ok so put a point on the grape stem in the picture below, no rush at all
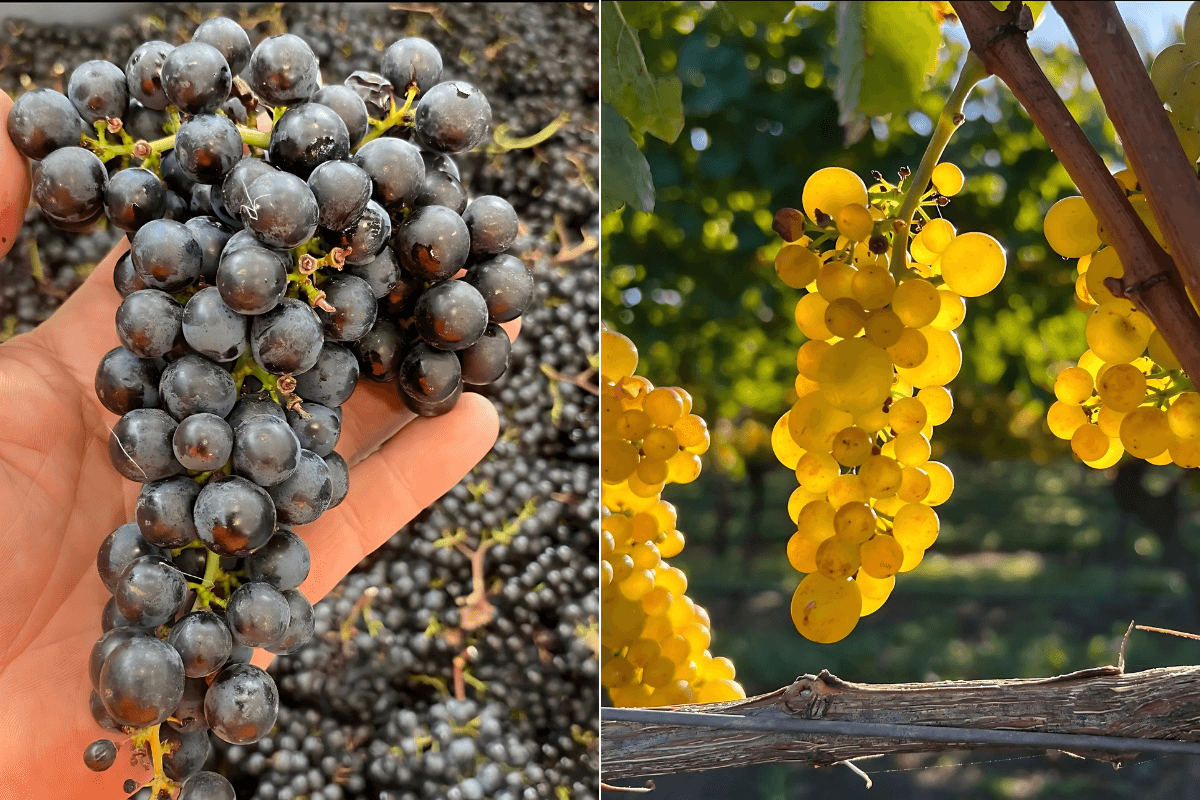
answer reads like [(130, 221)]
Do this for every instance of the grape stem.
[(973, 72), (247, 366), (205, 597), (160, 785), (149, 151), (400, 115)]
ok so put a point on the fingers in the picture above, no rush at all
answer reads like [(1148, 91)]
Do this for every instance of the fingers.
[(411, 470), (14, 183)]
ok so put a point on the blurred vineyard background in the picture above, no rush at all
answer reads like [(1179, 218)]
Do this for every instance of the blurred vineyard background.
[(1041, 563)]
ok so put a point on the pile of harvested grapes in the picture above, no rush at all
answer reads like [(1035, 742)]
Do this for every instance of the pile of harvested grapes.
[(459, 659)]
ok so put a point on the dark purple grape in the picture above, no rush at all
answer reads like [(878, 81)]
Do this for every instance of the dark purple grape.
[(196, 79), (265, 450), (175, 208), (105, 645), (143, 74), (144, 123), (442, 189), (140, 445), (195, 385), (453, 117), (354, 308), (257, 614), (241, 705), (381, 273), (342, 191), (149, 323), (175, 177), (241, 654), (332, 379), (284, 71), (486, 360), (214, 329), (412, 62), (190, 711), (141, 682), (300, 627), (203, 442), (375, 91), (236, 186), (100, 755), (42, 121), (379, 352), (305, 136), (440, 161), (150, 591), (251, 280), (433, 243), (506, 285), (119, 549), (319, 430), (430, 380), (283, 562), (287, 339), (396, 169), (339, 475), (281, 210), (367, 238), (451, 315), (211, 235), (235, 109), (402, 299), (203, 641), (207, 146), (133, 198), (229, 38), (68, 185), (346, 103), (207, 786), (125, 277), (191, 561), (234, 516), (166, 255), (184, 753), (249, 406), (305, 495), (216, 199), (125, 382), (98, 91), (101, 715), (492, 224), (165, 507)]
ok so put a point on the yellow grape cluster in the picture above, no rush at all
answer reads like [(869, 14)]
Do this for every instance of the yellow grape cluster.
[(653, 638), (871, 388), (1127, 393)]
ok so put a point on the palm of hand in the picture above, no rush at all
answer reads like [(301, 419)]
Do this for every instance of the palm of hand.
[(60, 496)]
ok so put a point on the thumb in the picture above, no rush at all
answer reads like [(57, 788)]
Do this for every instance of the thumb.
[(15, 182)]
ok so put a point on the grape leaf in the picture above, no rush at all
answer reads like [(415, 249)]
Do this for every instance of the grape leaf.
[(640, 14), (899, 44), (849, 58), (624, 172), (760, 13), (650, 104)]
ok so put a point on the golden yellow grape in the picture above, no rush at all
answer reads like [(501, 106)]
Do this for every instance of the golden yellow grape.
[(663, 407), (1089, 442), (719, 691), (883, 328), (1070, 228), (634, 424), (1064, 419), (660, 444), (618, 460), (854, 375), (618, 356), (947, 179), (1110, 457), (912, 449), (916, 302), (1145, 432), (796, 265), (1184, 416), (785, 448), (880, 476), (1073, 385), (683, 467), (851, 447), (830, 189), (914, 485), (1117, 332), (941, 483), (873, 287), (940, 366), (808, 357), (938, 402), (844, 317), (810, 316), (916, 524), (836, 280), (813, 422), (691, 431), (1109, 421), (875, 592), (1105, 264), (837, 557), (671, 544), (816, 517), (653, 471), (802, 550), (910, 351), (881, 556), (937, 234), (846, 488), (825, 610), (907, 415), (953, 310), (973, 264), (855, 222), (798, 499), (1185, 453), (1121, 387), (855, 522), (816, 471)]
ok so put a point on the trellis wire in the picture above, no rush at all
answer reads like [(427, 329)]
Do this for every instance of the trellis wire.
[(1071, 742)]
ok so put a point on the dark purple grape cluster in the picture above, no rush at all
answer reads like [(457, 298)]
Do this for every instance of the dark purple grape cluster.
[(284, 238)]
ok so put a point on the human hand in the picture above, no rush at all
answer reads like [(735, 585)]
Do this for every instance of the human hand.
[(60, 497)]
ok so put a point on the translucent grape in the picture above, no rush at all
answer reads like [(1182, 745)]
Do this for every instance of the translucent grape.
[(854, 522), (916, 524), (663, 407), (937, 235), (1122, 387), (846, 488), (813, 422), (914, 485), (785, 448), (1184, 416), (830, 189), (912, 449), (816, 471), (796, 265), (881, 556), (808, 357), (1167, 68), (883, 328), (880, 476), (907, 415), (618, 356), (873, 287), (1070, 228), (825, 610), (1089, 442), (973, 264), (1110, 457), (854, 222), (1073, 385), (916, 302), (836, 280), (940, 366), (618, 459), (854, 375), (837, 557), (851, 447), (844, 317), (941, 483), (1105, 264), (1145, 432), (938, 402), (1064, 419), (810, 316), (952, 313), (910, 350), (947, 179)]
